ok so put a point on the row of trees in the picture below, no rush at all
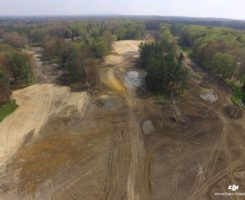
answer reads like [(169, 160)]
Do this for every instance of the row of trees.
[(76, 44), (4, 88), (20, 66), (165, 69), (16, 71), (13, 38), (120, 29), (97, 35), (86, 42), (220, 50)]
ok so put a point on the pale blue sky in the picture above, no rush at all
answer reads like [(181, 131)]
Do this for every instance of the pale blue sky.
[(197, 8)]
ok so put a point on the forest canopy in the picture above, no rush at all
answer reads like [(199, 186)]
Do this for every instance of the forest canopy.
[(165, 69), (76, 45), (220, 50)]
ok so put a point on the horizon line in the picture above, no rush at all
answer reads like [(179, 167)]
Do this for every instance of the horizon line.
[(116, 15)]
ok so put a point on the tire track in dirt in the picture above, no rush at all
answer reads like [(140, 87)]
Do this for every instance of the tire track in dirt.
[(37, 104), (136, 144), (201, 188), (137, 151)]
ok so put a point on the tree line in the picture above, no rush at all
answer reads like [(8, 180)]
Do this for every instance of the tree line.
[(16, 70), (220, 50), (76, 44), (166, 73)]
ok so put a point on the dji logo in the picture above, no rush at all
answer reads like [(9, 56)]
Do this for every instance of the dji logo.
[(233, 188)]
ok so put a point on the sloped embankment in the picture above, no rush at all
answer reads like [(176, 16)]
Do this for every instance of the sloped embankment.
[(37, 104)]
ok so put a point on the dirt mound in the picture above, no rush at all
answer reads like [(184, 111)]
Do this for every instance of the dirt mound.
[(148, 127), (126, 47), (113, 59), (209, 95), (233, 112), (37, 104), (122, 49)]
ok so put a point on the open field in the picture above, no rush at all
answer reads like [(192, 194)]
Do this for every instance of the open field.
[(93, 146)]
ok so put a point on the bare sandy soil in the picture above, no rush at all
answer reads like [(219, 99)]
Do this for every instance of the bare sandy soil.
[(46, 70), (93, 147), (37, 104)]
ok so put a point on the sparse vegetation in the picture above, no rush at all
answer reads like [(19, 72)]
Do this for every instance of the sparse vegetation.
[(238, 94)]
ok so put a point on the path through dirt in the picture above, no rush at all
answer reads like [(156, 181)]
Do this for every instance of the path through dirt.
[(93, 147)]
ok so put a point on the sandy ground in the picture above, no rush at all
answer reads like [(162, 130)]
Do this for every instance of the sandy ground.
[(37, 104), (202, 155), (46, 71), (101, 152), (121, 50)]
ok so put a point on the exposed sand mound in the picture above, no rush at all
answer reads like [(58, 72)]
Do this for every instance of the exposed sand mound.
[(148, 127), (37, 104), (209, 95), (121, 49), (125, 46), (113, 59)]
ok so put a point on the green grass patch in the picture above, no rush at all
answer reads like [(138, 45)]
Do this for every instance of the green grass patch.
[(237, 101), (238, 95), (7, 109)]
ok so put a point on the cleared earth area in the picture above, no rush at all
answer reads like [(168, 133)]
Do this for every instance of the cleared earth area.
[(120, 142)]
